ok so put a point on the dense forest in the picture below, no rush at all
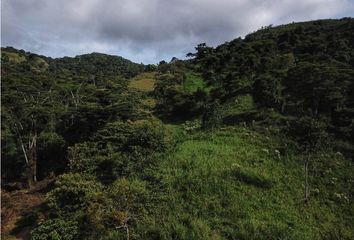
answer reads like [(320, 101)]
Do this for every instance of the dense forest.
[(252, 139)]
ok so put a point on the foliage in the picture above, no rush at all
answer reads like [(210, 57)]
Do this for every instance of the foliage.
[(51, 151), (56, 229), (191, 126), (90, 123), (179, 95), (310, 134), (120, 149), (72, 192), (82, 157), (296, 69), (49, 104), (129, 197), (211, 117), (193, 82), (139, 136)]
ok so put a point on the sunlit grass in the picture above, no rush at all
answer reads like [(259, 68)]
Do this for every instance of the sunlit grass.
[(144, 82), (193, 82), (231, 184)]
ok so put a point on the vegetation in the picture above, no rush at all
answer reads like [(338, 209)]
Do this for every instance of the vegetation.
[(144, 82), (253, 139)]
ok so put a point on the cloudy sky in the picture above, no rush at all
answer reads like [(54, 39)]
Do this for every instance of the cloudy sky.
[(147, 30)]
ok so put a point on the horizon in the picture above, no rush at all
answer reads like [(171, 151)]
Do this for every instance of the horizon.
[(168, 60), (148, 34)]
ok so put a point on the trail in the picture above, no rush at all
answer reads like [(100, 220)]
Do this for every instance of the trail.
[(16, 204)]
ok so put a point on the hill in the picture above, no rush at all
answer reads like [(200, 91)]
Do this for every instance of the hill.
[(253, 139), (297, 69)]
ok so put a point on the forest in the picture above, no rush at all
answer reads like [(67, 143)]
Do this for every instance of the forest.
[(252, 139)]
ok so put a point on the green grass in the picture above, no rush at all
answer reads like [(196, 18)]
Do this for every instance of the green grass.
[(239, 105), (193, 82), (231, 185)]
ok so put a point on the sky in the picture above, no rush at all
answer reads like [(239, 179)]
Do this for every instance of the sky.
[(148, 31)]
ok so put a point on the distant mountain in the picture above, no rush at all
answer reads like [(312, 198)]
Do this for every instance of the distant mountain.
[(87, 64), (98, 63)]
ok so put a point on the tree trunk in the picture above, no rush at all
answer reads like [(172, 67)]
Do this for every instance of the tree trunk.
[(306, 191), (32, 168), (31, 156), (282, 110)]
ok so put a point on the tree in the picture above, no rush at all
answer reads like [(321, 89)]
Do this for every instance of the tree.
[(267, 91), (51, 153), (28, 120), (311, 136), (211, 118), (321, 88)]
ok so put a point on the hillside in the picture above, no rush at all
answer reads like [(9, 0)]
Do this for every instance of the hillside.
[(244, 183), (297, 69), (253, 139)]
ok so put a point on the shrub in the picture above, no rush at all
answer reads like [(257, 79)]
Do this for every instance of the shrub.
[(309, 133), (191, 126), (211, 117), (73, 192), (128, 195), (56, 229), (120, 149), (133, 145), (143, 135), (83, 157)]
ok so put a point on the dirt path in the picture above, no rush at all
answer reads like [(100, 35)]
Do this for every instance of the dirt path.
[(15, 206)]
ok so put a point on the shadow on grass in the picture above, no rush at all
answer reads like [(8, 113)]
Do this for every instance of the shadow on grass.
[(251, 178)]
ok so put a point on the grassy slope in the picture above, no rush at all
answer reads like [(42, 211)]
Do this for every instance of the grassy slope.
[(192, 82), (231, 184), (144, 82)]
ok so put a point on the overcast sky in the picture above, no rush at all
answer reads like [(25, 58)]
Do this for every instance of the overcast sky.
[(147, 30)]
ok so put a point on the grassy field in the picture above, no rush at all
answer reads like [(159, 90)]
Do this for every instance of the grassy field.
[(144, 82), (192, 82), (234, 184)]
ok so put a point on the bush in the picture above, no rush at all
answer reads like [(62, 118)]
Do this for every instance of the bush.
[(83, 157), (133, 145), (118, 209), (143, 135), (191, 126), (211, 117), (56, 229), (128, 195), (309, 133), (73, 192), (119, 149)]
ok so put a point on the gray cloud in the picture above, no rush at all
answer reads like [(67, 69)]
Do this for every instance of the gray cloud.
[(147, 31)]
